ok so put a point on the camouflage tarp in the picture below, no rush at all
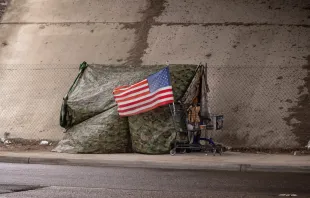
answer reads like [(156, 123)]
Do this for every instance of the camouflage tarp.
[(103, 133), (95, 126), (152, 132)]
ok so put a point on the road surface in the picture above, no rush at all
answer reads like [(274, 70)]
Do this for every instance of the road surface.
[(21, 180)]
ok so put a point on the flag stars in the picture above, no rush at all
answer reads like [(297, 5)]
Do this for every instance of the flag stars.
[(159, 80)]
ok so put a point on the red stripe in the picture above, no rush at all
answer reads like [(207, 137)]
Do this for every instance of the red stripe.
[(119, 90), (130, 92), (134, 85), (133, 108), (149, 97), (121, 87), (133, 97), (151, 108), (116, 90)]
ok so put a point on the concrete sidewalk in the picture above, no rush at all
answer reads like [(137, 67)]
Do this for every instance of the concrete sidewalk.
[(229, 161)]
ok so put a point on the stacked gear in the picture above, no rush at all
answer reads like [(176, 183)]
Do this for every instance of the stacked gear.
[(196, 116), (89, 112)]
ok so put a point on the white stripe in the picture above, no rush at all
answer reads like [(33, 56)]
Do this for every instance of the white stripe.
[(133, 94), (142, 97), (135, 88), (131, 85), (147, 106), (146, 101)]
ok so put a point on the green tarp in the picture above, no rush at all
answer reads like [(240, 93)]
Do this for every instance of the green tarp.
[(92, 121)]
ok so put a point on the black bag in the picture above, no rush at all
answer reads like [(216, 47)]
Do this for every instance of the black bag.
[(65, 120)]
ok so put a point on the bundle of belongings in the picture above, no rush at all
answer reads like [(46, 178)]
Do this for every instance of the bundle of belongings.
[(120, 109), (195, 122)]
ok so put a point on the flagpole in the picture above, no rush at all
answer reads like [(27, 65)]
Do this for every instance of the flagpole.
[(173, 105)]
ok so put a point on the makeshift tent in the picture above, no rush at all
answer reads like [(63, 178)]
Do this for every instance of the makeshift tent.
[(89, 112)]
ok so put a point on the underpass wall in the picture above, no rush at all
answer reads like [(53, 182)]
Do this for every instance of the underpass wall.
[(257, 54)]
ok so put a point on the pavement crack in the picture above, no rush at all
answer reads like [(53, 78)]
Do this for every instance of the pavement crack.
[(136, 25), (12, 188), (128, 189), (68, 23), (229, 24)]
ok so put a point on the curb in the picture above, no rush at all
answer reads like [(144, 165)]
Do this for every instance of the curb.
[(158, 165), (19, 160)]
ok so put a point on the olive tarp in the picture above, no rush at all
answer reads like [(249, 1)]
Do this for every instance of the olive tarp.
[(89, 112)]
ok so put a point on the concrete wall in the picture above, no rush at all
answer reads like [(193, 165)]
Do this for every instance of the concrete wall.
[(256, 51)]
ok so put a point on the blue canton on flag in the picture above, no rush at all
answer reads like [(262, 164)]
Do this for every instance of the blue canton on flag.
[(159, 80)]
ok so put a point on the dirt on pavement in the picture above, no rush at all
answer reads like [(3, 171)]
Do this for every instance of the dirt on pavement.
[(24, 145), (18, 144)]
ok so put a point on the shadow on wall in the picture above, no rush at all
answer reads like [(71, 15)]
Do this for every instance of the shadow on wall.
[(301, 112), (3, 6), (257, 101), (249, 99), (237, 93)]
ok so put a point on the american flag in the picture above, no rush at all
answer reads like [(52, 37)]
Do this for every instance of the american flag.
[(148, 94)]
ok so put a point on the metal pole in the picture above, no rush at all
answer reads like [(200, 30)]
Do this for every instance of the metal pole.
[(173, 108)]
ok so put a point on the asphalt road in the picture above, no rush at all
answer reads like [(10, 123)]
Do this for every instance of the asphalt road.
[(21, 180)]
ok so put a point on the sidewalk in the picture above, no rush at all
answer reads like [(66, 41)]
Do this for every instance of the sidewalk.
[(230, 161)]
